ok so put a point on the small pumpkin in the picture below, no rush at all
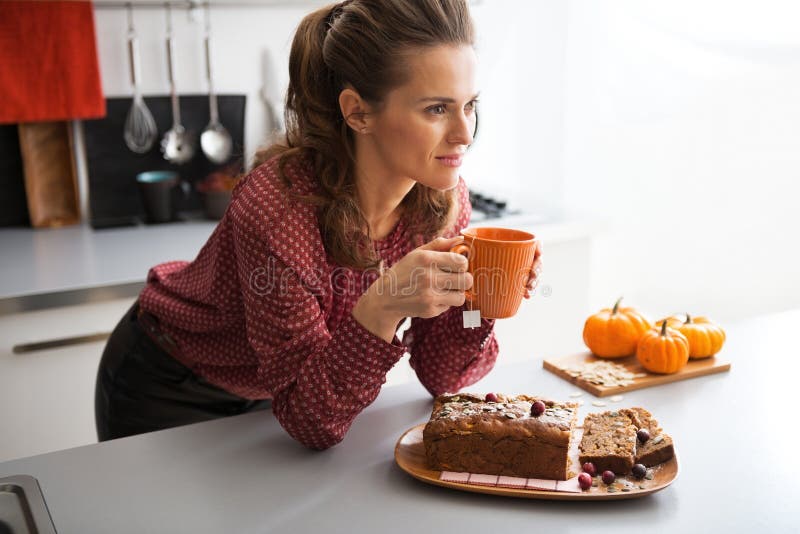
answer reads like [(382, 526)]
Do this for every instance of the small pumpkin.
[(663, 350), (614, 332), (705, 337), (673, 321)]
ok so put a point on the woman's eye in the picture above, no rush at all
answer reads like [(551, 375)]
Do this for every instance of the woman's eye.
[(471, 105), (438, 109)]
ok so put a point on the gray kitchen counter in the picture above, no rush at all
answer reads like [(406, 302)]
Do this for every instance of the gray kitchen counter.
[(72, 265), (735, 433), (79, 259)]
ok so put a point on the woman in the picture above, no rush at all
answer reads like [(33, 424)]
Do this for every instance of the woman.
[(328, 245)]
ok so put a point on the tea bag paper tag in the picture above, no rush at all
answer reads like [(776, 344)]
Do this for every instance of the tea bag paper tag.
[(472, 318)]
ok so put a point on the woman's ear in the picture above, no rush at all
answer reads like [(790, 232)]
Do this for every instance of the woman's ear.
[(354, 110)]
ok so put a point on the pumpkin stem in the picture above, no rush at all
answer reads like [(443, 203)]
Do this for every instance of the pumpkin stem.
[(664, 328), (616, 305), (688, 319)]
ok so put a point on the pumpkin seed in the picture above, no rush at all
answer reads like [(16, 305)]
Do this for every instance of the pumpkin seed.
[(598, 403), (617, 398), (510, 415), (658, 440), (602, 372), (612, 489), (649, 475), (626, 489), (576, 394)]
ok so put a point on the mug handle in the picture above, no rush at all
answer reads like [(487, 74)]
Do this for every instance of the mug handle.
[(465, 250)]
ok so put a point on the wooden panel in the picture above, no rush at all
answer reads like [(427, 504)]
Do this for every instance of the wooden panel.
[(693, 369), (51, 182)]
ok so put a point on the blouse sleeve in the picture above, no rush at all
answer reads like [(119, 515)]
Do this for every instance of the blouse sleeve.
[(445, 355), (448, 357), (320, 379)]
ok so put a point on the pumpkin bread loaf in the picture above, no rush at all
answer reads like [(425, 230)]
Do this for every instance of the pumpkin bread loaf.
[(469, 434), (658, 448), (609, 441)]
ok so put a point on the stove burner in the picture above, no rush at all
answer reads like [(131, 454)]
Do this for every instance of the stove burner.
[(485, 207)]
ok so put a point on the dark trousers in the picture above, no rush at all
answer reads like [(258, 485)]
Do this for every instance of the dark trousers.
[(141, 388)]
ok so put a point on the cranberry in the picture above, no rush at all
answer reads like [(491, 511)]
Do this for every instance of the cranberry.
[(643, 435), (590, 468), (609, 477), (491, 397), (639, 471), (537, 408), (585, 481)]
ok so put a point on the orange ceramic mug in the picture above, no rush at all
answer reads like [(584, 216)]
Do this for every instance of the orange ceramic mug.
[(500, 262)]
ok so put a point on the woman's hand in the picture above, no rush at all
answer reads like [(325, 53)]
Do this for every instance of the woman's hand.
[(424, 283), (536, 270)]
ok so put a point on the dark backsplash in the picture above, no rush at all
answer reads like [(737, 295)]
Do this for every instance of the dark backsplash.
[(112, 168), (13, 202)]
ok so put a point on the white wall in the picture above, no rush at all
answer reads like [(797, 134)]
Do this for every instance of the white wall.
[(518, 153), (682, 129)]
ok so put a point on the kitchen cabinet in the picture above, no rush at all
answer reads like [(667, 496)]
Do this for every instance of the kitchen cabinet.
[(48, 396)]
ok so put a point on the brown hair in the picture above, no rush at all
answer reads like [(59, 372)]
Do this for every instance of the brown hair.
[(363, 44)]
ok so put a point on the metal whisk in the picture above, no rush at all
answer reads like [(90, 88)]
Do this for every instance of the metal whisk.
[(140, 128)]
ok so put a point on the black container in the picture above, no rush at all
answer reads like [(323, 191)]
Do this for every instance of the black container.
[(158, 193)]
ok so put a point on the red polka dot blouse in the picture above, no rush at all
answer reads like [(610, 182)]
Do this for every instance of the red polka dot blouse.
[(265, 313)]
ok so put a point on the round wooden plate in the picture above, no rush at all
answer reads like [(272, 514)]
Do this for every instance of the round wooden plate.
[(409, 453)]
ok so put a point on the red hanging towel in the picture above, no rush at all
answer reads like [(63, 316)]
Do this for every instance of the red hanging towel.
[(48, 62)]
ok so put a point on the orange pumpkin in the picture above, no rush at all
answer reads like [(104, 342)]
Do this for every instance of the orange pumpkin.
[(614, 332), (664, 351), (673, 321), (705, 337)]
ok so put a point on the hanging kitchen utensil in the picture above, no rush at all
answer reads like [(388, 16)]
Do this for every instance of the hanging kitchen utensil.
[(215, 139), (271, 96), (178, 144), (140, 129)]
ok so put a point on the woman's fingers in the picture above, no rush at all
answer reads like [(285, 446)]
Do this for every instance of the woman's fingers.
[(448, 262), (444, 281), (533, 277), (442, 243)]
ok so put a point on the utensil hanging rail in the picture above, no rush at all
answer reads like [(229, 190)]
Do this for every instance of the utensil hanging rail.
[(192, 5)]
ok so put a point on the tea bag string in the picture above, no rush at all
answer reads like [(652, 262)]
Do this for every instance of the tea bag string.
[(470, 258), (471, 317)]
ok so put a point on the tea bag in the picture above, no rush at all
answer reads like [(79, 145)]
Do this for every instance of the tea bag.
[(472, 318)]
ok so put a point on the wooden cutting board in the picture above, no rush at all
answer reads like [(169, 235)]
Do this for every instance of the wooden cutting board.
[(693, 369)]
